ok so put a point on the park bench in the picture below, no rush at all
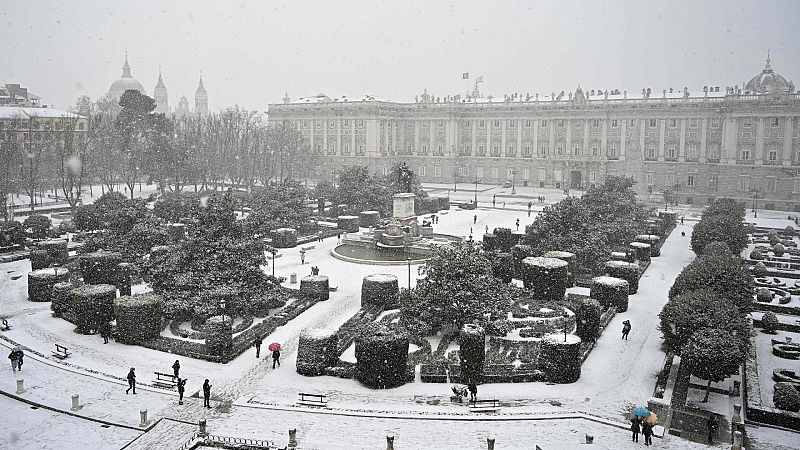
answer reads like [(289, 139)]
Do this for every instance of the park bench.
[(5, 325), (484, 405), (165, 380), (61, 352), (320, 400)]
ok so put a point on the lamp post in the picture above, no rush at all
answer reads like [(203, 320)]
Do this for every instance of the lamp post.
[(476, 192), (566, 316), (513, 181), (455, 179), (755, 193), (222, 307)]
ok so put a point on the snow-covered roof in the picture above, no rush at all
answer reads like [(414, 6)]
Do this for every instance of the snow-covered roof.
[(19, 112), (322, 98)]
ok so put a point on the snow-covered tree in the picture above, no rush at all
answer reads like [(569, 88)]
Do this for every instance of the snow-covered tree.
[(713, 355)]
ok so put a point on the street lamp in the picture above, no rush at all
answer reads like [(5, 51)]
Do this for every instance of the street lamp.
[(476, 192), (513, 181), (755, 194), (566, 316), (455, 179)]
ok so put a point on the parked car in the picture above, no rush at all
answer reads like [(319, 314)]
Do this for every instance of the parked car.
[(507, 184)]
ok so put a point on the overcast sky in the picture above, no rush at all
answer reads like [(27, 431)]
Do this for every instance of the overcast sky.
[(251, 52)]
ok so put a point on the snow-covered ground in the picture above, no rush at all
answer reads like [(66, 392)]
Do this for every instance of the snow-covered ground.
[(617, 375)]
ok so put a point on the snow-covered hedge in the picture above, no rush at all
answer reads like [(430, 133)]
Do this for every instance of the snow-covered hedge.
[(41, 282), (769, 322), (369, 218), (518, 253), (92, 306), (40, 259), (219, 335), (587, 320), (505, 239), (610, 292), (626, 271), (653, 240), (316, 351), (348, 223), (316, 286), (60, 300), (502, 266), (499, 327), (786, 397), (764, 295), (100, 267), (571, 260), (138, 318), (778, 249), (561, 361), (472, 352), (124, 278), (176, 231), (56, 249), (381, 359), (284, 237), (545, 277), (641, 250), (379, 289)]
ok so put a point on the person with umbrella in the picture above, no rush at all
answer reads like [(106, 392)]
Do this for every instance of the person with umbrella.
[(275, 348), (635, 428)]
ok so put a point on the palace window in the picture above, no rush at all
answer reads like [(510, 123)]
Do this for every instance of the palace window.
[(744, 184), (494, 172), (510, 150), (467, 124), (693, 123), (481, 150), (632, 123), (496, 124), (360, 122), (577, 149), (692, 150), (331, 149), (648, 178), (346, 149), (713, 151), (479, 172), (715, 122), (512, 123), (595, 150), (776, 121), (593, 177), (463, 171), (543, 151), (796, 188), (772, 184), (561, 123), (595, 123), (481, 124), (772, 155), (560, 150), (612, 150), (651, 151), (713, 181), (421, 171), (652, 122), (439, 151), (690, 180), (346, 123), (673, 123), (360, 150), (437, 171), (332, 123), (81, 126), (527, 124), (495, 150), (613, 123), (527, 151), (424, 149), (745, 154), (543, 123), (671, 153), (748, 122)]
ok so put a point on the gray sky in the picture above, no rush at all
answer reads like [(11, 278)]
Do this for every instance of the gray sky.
[(251, 52)]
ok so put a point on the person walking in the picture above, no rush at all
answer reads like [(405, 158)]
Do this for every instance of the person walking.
[(518, 224), (494, 200), (181, 389), (14, 357), (206, 394), (712, 426), (647, 431), (473, 391), (131, 381), (529, 208), (319, 236), (176, 368), (302, 256), (21, 359), (626, 328), (474, 219), (257, 344), (487, 229), (339, 238), (635, 429), (105, 332), (276, 358)]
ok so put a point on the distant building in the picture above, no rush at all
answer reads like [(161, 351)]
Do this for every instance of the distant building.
[(183, 107), (125, 82), (201, 100), (735, 142), (32, 127), (160, 96), (15, 95)]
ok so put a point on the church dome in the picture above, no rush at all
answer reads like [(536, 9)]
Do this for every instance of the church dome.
[(125, 82), (768, 82)]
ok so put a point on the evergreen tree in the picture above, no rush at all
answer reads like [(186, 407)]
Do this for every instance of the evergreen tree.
[(713, 355)]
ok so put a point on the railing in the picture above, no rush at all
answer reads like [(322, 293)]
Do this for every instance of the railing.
[(212, 439)]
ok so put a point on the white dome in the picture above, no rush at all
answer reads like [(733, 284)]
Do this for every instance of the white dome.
[(768, 82), (126, 82)]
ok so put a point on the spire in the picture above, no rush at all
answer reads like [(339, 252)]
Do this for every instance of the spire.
[(200, 87), (767, 67), (160, 83), (126, 68)]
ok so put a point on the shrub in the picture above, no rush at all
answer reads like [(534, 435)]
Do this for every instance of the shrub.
[(561, 361), (316, 351), (502, 266), (626, 271), (11, 233), (379, 289), (769, 322), (763, 295), (472, 344), (773, 237), (173, 207), (730, 230), (778, 249), (789, 231), (571, 260), (92, 306), (717, 248), (499, 327), (56, 250), (547, 277), (37, 226), (722, 274), (381, 359), (60, 300), (760, 270), (41, 282), (219, 335), (100, 267), (610, 292), (587, 320), (316, 286), (786, 397), (138, 318), (757, 253), (712, 354), (40, 259)]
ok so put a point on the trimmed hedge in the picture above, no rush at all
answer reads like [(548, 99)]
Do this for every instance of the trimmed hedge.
[(379, 289), (316, 351), (316, 286), (502, 266), (92, 306), (381, 359), (348, 223), (369, 218), (610, 292), (284, 237), (56, 250), (472, 352), (571, 260), (653, 240), (60, 300), (138, 318), (41, 282), (545, 277), (587, 320), (100, 267), (641, 250), (786, 397), (518, 253), (40, 259), (124, 278), (561, 361), (219, 335), (626, 271)]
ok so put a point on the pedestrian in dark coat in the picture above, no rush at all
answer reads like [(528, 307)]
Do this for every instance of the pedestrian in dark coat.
[(712, 426), (626, 328), (131, 381), (635, 429), (176, 368), (14, 357), (647, 431), (276, 358), (206, 394), (105, 332), (21, 359), (474, 219), (517, 224), (473, 392), (181, 389), (257, 344)]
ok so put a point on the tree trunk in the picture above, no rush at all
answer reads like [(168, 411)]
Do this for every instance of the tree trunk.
[(708, 390)]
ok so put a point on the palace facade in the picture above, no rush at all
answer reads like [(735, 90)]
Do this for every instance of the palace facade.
[(735, 142)]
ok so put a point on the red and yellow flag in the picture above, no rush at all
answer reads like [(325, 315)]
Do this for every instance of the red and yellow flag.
[(479, 79)]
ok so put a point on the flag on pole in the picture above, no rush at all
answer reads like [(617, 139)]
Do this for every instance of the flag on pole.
[(465, 76), (479, 79)]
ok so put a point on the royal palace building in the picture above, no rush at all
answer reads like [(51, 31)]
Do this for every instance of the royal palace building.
[(740, 142)]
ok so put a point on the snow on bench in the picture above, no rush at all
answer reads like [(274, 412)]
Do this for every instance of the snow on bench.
[(484, 405), (165, 380), (61, 352), (320, 400)]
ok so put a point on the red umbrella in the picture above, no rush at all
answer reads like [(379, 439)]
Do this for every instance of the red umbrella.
[(274, 347)]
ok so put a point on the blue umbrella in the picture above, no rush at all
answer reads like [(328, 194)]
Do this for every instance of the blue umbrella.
[(641, 412)]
